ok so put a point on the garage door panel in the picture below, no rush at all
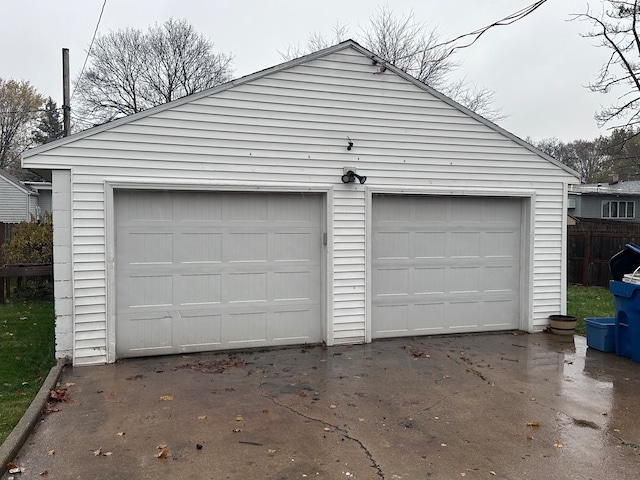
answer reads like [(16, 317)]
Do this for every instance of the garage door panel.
[(426, 318), (290, 326), (199, 247), (463, 280), (459, 270), (148, 333), (500, 278), (247, 247), (199, 207), (463, 315), (288, 286), (429, 280), (464, 244), (430, 245), (391, 281), (149, 209), (230, 270), (199, 330), (245, 209), (498, 313), (150, 291), (392, 245), (245, 327), (247, 287), (200, 289), (392, 320), (501, 244)]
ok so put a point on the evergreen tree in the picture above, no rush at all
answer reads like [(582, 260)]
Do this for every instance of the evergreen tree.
[(50, 126)]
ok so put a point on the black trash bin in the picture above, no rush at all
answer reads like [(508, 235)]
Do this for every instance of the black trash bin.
[(625, 261)]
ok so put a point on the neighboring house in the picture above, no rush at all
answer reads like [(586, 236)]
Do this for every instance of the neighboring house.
[(609, 201), (221, 220), (18, 202)]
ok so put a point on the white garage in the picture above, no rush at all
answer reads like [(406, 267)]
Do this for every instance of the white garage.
[(228, 218), (208, 271), (445, 265)]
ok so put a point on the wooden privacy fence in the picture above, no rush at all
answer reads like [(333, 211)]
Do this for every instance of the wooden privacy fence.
[(20, 272), (591, 243)]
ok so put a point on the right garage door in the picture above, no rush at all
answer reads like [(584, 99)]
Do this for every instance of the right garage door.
[(445, 264)]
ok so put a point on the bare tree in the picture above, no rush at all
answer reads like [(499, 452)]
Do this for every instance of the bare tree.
[(617, 29), (20, 106), (587, 157), (415, 48), (131, 71)]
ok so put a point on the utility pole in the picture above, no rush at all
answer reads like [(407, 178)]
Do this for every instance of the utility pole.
[(66, 101)]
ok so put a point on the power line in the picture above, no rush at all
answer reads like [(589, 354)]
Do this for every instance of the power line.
[(476, 34), (6, 114), (86, 58)]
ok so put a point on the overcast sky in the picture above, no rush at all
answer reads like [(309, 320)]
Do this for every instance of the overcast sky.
[(537, 67)]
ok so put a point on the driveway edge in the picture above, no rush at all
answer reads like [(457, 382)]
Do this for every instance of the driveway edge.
[(18, 436)]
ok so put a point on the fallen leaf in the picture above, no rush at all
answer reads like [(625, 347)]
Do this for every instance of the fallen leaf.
[(326, 429), (202, 417), (361, 419), (529, 437), (121, 434), (443, 444), (112, 393), (107, 454), (265, 410), (533, 424), (51, 452), (239, 418), (98, 452), (44, 473), (333, 406), (69, 384), (162, 454), (492, 472), (558, 445), (11, 465), (271, 451), (166, 398)]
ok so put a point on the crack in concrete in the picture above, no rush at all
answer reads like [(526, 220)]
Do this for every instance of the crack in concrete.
[(344, 432)]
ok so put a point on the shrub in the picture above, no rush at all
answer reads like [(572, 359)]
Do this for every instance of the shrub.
[(31, 243)]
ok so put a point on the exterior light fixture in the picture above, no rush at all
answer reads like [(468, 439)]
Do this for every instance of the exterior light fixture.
[(350, 177)]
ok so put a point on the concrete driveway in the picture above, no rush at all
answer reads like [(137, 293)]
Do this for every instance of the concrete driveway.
[(484, 406)]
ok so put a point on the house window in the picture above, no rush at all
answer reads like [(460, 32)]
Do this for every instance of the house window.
[(616, 209)]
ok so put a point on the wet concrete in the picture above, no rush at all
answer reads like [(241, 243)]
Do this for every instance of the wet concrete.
[(415, 408)]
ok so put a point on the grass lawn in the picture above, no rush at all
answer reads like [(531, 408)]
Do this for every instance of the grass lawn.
[(27, 353), (585, 302)]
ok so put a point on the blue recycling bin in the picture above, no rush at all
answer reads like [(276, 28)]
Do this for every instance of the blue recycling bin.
[(626, 300)]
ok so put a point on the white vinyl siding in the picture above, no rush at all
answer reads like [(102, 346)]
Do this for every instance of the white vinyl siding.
[(17, 203), (286, 130)]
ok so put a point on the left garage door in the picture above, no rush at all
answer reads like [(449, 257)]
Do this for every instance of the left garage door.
[(199, 271)]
